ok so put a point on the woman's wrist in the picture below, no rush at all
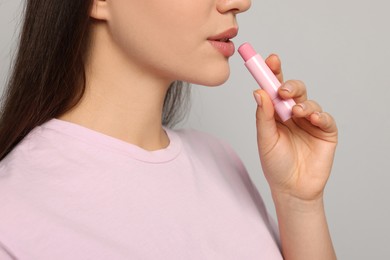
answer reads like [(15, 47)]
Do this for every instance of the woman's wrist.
[(292, 203), (303, 228)]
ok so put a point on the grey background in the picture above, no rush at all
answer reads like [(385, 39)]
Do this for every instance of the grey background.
[(340, 49)]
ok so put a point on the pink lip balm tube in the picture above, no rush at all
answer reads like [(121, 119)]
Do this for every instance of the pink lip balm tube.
[(266, 80)]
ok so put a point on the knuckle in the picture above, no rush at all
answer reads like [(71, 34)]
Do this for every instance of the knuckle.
[(298, 85)]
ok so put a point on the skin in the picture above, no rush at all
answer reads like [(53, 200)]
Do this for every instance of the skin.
[(297, 158), (139, 47)]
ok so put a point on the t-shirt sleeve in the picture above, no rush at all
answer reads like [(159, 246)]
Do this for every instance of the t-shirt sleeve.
[(214, 149), (270, 221)]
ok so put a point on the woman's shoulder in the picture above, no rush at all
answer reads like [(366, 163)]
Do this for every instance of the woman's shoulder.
[(207, 144), (45, 146), (29, 148), (198, 139)]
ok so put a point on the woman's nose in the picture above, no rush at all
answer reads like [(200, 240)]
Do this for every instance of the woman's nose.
[(235, 6)]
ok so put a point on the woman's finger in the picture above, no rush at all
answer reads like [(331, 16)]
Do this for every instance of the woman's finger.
[(306, 108), (295, 89), (274, 63), (324, 121)]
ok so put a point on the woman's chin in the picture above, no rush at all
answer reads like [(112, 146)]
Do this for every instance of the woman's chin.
[(212, 78)]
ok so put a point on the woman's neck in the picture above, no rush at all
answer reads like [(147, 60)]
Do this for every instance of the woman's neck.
[(120, 99)]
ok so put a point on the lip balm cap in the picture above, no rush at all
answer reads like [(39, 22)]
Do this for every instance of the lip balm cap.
[(246, 51)]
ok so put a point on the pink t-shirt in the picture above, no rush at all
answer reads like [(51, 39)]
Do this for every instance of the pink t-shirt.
[(68, 192)]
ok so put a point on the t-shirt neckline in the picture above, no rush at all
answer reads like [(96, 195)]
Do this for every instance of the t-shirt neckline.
[(108, 142)]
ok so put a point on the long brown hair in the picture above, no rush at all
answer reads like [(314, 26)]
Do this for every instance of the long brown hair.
[(48, 76)]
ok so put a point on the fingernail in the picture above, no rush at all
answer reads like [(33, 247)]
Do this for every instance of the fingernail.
[(318, 114), (303, 106), (287, 87), (257, 98)]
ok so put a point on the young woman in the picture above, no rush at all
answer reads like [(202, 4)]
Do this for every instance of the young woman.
[(91, 170)]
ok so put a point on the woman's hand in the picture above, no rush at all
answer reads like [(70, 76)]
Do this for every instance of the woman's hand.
[(297, 158), (297, 155)]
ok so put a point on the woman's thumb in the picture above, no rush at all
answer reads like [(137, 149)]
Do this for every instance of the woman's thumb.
[(267, 131)]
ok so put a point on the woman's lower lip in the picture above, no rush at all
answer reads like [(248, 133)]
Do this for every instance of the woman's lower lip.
[(226, 48)]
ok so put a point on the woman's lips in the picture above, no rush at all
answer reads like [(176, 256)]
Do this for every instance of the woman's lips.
[(226, 48), (222, 41)]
